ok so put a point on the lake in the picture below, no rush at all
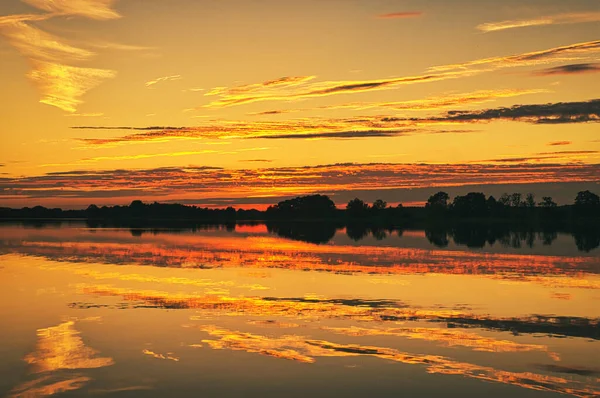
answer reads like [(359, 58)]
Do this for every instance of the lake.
[(296, 311)]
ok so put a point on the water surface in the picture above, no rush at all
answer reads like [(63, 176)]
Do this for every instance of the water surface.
[(282, 311)]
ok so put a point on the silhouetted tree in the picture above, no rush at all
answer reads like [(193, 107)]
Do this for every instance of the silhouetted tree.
[(438, 200), (547, 202), (587, 199), (357, 208), (530, 200), (312, 206), (515, 200), (379, 205), (505, 199), (473, 204)]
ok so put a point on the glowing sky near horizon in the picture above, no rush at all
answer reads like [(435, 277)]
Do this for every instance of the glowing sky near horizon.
[(207, 101)]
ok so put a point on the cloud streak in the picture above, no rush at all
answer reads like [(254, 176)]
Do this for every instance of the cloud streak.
[(552, 113), (163, 79), (51, 57), (400, 15), (572, 69), (294, 128), (62, 85), (525, 59), (211, 182), (94, 9), (559, 19), (304, 87), (432, 103), (358, 127)]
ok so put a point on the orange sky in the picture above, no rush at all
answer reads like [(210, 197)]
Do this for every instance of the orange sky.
[(243, 102)]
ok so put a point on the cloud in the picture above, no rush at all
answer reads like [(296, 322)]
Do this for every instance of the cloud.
[(475, 97), (163, 79), (558, 143), (199, 182), (365, 126), (572, 69), (94, 9), (98, 114), (257, 160), (396, 15), (558, 19), (304, 87), (525, 59), (273, 112), (62, 85), (552, 113), (105, 45), (545, 156), (299, 90), (36, 44), (341, 134)]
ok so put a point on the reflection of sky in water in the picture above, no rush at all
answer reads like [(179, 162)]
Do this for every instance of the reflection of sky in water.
[(246, 312)]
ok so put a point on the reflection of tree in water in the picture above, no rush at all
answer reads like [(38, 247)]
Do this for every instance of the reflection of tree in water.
[(437, 237), (587, 239), (478, 236), (359, 231), (548, 237), (318, 233)]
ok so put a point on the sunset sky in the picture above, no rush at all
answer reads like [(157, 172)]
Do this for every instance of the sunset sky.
[(240, 102)]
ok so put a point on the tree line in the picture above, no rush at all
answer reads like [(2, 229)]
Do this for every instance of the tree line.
[(472, 206)]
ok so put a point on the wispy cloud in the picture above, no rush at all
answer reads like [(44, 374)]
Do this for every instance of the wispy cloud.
[(553, 113), (61, 83), (94, 9), (98, 114), (213, 182), (399, 15), (558, 19), (357, 127), (525, 59), (558, 143), (562, 156), (294, 128), (37, 44), (438, 102), (304, 87), (572, 69), (163, 79)]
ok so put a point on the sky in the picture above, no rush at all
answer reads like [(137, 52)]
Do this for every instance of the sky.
[(247, 102)]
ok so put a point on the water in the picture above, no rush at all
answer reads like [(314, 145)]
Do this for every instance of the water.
[(266, 312)]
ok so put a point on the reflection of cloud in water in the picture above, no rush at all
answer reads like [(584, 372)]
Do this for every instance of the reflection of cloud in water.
[(59, 349), (217, 286), (156, 355), (268, 252), (301, 349), (343, 309), (447, 337), (48, 385), (272, 324), (575, 370)]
